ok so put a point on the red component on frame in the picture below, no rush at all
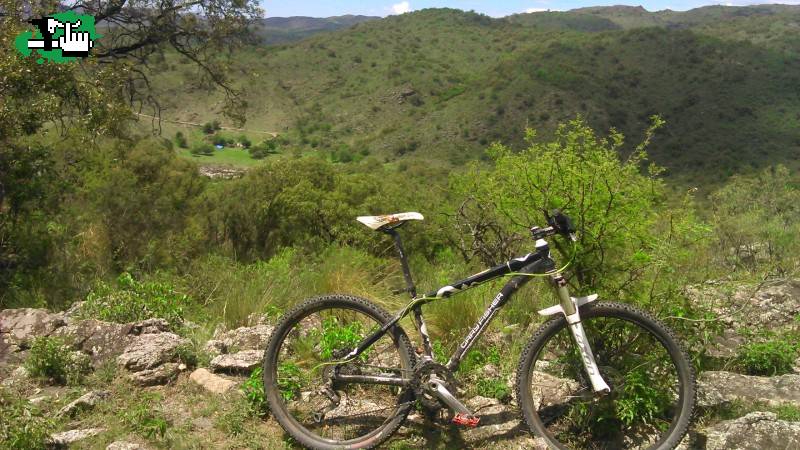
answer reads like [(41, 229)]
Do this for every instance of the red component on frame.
[(465, 420)]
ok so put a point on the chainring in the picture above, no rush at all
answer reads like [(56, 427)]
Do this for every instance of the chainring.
[(422, 372)]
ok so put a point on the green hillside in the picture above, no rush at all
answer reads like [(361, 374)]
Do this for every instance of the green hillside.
[(441, 84), (277, 30)]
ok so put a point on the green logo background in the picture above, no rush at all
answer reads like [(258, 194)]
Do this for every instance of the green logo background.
[(87, 25)]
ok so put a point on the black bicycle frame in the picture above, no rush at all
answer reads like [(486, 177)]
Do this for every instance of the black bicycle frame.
[(538, 262)]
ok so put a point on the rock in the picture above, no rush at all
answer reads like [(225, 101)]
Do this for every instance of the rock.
[(122, 445), (150, 326), (162, 374), (148, 351), (212, 383), (18, 375), (74, 311), (717, 387), (490, 371), (85, 401), (39, 399), (551, 390), (756, 431), (20, 326), (796, 365), (224, 173), (72, 436), (244, 361), (100, 340), (242, 338)]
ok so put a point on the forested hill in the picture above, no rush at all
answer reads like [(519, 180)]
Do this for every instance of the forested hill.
[(276, 30), (441, 84)]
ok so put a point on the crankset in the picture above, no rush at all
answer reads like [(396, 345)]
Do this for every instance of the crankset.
[(434, 387)]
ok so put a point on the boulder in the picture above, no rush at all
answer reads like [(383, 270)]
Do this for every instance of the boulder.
[(755, 431), (122, 445), (242, 338), (148, 351), (69, 437), (86, 401), (240, 362), (17, 375), (150, 326), (212, 383), (100, 340), (19, 326), (156, 376), (717, 388)]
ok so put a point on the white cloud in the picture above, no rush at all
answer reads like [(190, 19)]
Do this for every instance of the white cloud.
[(533, 10), (401, 8)]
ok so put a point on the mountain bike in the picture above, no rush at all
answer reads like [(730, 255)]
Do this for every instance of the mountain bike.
[(340, 372)]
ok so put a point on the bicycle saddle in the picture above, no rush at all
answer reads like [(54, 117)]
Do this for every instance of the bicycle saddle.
[(378, 222)]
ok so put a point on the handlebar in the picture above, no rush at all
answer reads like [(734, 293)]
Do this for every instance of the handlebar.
[(558, 223)]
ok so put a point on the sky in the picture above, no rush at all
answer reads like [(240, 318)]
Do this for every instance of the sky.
[(494, 8)]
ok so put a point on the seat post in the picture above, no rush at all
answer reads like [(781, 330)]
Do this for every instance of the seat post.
[(410, 288)]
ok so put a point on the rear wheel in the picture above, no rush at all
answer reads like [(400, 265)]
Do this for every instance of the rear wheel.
[(651, 379), (302, 356)]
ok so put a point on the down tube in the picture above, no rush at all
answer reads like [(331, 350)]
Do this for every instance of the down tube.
[(541, 266)]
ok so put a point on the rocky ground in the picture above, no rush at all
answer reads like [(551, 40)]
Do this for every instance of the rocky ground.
[(142, 393)]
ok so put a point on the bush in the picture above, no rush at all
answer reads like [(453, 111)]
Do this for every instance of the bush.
[(203, 149), (22, 426), (131, 301), (246, 143), (253, 390), (180, 139), (219, 140), (773, 357), (264, 148), (49, 358), (208, 128)]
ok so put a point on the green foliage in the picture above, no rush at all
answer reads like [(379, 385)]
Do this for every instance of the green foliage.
[(180, 139), (641, 399), (23, 426), (290, 380), (131, 300), (263, 149), (336, 337), (253, 389), (50, 359), (202, 148), (208, 128), (245, 141), (773, 357), (757, 219), (623, 250), (493, 388), (142, 417)]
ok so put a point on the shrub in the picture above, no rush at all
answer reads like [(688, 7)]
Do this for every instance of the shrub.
[(493, 388), (22, 426), (202, 149), (208, 128), (180, 139), (246, 143), (264, 148), (131, 300), (773, 357), (49, 358), (253, 390)]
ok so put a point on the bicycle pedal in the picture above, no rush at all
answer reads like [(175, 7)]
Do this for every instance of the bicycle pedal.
[(465, 420)]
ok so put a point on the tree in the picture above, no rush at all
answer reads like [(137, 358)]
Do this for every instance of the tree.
[(618, 205)]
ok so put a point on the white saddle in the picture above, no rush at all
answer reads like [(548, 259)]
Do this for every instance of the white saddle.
[(376, 222)]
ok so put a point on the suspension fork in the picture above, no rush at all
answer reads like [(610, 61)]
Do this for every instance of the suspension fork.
[(570, 307)]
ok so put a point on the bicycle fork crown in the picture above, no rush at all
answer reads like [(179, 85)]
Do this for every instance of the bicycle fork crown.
[(570, 307)]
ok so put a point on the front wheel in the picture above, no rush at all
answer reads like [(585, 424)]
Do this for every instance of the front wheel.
[(651, 379)]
